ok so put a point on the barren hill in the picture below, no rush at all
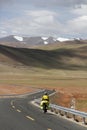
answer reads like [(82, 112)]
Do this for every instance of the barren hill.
[(60, 57)]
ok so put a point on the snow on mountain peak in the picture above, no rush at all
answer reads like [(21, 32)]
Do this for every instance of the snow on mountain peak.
[(18, 38), (44, 38), (62, 39), (45, 42)]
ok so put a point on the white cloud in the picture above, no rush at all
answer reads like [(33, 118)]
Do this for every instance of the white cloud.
[(41, 16), (44, 21), (3, 33), (81, 10), (55, 3), (38, 13), (77, 27), (78, 24), (34, 22)]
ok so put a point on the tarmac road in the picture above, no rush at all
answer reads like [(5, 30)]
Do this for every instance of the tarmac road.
[(20, 114)]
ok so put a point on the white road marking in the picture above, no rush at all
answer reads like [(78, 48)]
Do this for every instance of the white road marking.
[(30, 118), (18, 110), (11, 103), (13, 106)]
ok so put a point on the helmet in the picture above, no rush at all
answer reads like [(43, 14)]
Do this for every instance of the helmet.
[(45, 93)]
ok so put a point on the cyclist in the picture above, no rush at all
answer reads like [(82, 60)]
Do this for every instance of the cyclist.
[(45, 99)]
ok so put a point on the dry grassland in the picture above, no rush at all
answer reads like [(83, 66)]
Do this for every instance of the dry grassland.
[(69, 84)]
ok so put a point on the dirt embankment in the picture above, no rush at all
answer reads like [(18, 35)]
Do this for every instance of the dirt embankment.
[(71, 97), (13, 89)]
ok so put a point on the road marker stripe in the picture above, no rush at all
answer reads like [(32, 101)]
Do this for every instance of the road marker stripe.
[(30, 118), (18, 110), (11, 103), (13, 106)]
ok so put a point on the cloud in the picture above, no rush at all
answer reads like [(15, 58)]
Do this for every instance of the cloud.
[(40, 17), (44, 22), (48, 3), (43, 17), (5, 2), (77, 26), (3, 33), (57, 3), (81, 10), (34, 22)]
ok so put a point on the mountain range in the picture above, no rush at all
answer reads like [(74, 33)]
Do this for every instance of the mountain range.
[(18, 41)]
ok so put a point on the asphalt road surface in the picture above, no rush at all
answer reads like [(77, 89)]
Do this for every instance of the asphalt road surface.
[(21, 114)]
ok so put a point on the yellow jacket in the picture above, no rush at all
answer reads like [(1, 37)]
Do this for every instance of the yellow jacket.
[(45, 97)]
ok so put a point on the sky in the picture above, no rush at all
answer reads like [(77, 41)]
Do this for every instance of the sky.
[(57, 18)]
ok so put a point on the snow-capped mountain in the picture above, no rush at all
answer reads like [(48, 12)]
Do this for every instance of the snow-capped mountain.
[(18, 38), (28, 40), (19, 41), (63, 39)]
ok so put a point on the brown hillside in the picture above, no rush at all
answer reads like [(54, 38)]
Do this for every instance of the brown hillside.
[(58, 58)]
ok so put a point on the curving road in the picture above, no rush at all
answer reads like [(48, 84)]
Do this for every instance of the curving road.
[(20, 114)]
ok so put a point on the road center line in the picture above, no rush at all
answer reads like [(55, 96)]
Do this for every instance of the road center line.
[(30, 118), (11, 103), (13, 106), (18, 110)]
